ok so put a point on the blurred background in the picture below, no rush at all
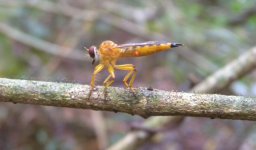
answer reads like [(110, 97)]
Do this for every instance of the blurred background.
[(44, 40)]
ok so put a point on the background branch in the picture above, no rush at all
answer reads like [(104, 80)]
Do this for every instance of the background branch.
[(231, 72), (243, 17), (143, 102), (58, 8), (41, 45), (119, 23)]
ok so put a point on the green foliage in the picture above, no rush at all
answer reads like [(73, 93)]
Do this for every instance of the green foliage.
[(10, 66)]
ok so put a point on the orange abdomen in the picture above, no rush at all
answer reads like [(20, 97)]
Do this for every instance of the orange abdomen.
[(143, 50)]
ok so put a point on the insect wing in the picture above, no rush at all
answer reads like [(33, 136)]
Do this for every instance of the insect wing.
[(149, 43)]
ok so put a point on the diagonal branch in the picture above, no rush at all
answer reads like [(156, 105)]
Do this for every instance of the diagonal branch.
[(41, 45), (229, 73), (143, 102), (243, 17), (219, 80)]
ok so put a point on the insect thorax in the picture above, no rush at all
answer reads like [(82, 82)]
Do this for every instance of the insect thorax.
[(108, 49)]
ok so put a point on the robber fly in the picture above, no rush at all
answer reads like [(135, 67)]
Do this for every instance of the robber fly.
[(109, 52)]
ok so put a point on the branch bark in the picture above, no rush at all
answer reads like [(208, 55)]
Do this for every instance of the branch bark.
[(143, 102)]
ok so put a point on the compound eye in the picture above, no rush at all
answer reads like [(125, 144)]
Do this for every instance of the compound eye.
[(91, 51)]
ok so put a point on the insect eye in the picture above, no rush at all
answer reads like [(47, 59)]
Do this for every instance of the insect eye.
[(91, 51)]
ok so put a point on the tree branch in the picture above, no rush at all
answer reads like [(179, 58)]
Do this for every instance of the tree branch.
[(143, 102)]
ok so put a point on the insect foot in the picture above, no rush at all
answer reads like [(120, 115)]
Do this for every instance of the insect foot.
[(92, 89)]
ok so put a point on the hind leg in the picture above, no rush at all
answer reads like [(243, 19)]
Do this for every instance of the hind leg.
[(131, 75)]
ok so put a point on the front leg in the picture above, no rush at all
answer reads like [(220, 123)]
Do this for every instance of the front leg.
[(110, 79), (97, 69)]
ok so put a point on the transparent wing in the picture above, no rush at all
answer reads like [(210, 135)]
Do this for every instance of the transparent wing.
[(148, 43)]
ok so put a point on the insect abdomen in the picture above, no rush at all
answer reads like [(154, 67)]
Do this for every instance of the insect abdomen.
[(143, 50)]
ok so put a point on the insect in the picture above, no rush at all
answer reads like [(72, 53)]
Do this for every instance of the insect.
[(109, 52)]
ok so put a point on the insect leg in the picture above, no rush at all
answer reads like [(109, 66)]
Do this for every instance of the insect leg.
[(126, 78), (107, 82), (97, 69), (133, 78), (131, 75), (110, 79)]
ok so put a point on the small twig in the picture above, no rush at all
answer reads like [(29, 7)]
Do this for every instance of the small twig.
[(99, 124), (58, 8), (243, 17), (150, 130), (41, 45)]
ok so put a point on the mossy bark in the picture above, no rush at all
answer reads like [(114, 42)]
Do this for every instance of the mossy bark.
[(141, 101)]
